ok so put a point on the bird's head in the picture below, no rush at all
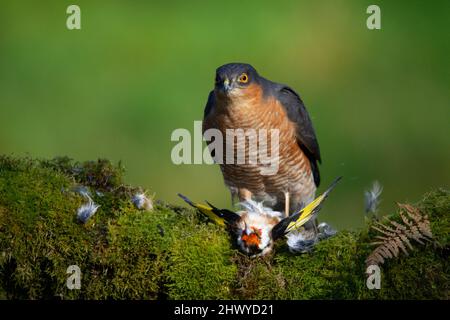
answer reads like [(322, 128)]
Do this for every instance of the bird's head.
[(254, 229), (253, 235), (235, 80)]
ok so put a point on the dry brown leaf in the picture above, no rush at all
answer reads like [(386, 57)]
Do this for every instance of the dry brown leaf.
[(395, 236)]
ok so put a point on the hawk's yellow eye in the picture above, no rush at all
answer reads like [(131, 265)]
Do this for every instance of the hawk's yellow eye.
[(243, 78)]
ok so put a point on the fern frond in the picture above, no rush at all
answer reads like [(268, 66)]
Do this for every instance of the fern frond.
[(396, 236)]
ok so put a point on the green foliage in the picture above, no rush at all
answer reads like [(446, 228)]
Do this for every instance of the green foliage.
[(175, 253)]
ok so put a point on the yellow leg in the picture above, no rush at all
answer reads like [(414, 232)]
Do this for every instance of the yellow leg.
[(244, 194), (286, 204)]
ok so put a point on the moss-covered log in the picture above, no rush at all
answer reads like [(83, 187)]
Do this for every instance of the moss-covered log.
[(175, 253)]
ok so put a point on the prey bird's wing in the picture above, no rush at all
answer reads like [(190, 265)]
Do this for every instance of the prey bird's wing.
[(206, 210), (297, 220), (311, 210), (229, 216), (305, 134), (218, 216)]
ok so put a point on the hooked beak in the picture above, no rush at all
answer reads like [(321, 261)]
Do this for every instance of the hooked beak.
[(225, 86)]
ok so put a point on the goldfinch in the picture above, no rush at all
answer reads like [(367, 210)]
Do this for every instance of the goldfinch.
[(257, 227)]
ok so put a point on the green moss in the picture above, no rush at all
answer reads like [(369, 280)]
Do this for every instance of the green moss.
[(336, 268), (329, 272), (40, 236), (132, 259), (100, 174), (37, 224), (425, 272), (175, 253), (201, 266)]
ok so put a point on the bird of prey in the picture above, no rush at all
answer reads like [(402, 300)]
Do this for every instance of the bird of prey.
[(242, 99), (257, 227)]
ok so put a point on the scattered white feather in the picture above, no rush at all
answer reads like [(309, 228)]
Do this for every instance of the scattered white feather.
[(372, 197), (303, 241), (325, 231), (87, 210), (83, 191), (141, 202), (298, 243), (258, 208)]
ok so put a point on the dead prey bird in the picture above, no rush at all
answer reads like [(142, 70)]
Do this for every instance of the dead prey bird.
[(256, 227)]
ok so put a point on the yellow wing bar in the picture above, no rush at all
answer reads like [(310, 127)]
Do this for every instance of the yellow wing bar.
[(311, 210), (218, 216)]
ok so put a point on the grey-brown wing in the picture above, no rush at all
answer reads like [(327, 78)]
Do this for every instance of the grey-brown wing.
[(209, 105), (206, 113)]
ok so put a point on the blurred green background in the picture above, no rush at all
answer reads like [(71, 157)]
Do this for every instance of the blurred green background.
[(136, 71)]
